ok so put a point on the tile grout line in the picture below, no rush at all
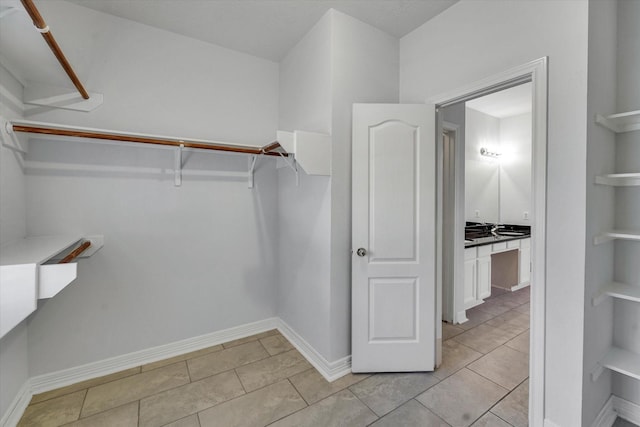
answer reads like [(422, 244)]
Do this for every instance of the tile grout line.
[(298, 391), (87, 388), (498, 402)]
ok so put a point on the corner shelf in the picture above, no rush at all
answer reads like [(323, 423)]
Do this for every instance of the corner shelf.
[(25, 277), (616, 234), (618, 290), (618, 360), (312, 150), (619, 179), (621, 122)]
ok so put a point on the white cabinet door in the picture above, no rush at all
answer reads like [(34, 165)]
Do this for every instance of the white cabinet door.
[(525, 261), (470, 283), (484, 277), (394, 232)]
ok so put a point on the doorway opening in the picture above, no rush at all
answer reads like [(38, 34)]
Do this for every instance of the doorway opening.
[(492, 241)]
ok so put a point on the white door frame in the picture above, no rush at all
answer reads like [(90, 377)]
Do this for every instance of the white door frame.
[(536, 72)]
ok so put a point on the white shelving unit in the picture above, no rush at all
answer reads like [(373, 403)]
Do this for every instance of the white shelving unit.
[(312, 150), (619, 179), (621, 122), (618, 359), (618, 290), (607, 236), (622, 361), (25, 277)]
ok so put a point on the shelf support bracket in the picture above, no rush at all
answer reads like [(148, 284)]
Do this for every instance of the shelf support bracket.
[(597, 372), (253, 160), (177, 169), (293, 165)]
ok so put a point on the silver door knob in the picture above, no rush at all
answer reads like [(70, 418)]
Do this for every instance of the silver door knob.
[(361, 252)]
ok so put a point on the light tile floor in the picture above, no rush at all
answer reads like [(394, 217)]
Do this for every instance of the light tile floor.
[(262, 380)]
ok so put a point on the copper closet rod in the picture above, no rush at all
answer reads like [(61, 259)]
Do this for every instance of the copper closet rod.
[(76, 252), (267, 150), (42, 27)]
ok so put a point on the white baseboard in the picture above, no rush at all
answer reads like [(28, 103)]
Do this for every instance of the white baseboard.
[(607, 415), (617, 407), (51, 381), (520, 286), (54, 380), (329, 370), (627, 410), (18, 406)]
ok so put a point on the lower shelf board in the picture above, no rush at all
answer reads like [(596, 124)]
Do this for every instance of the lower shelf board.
[(616, 234), (622, 361), (619, 179), (618, 290)]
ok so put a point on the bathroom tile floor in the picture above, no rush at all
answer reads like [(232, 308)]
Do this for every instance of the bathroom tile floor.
[(263, 380)]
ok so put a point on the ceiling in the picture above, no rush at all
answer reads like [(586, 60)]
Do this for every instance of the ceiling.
[(265, 28), (505, 103)]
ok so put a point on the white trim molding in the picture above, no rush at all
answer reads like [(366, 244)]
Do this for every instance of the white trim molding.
[(617, 407), (627, 410), (18, 406), (607, 415), (537, 73), (331, 371), (54, 380)]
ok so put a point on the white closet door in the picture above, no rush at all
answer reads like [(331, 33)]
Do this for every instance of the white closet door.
[(394, 238)]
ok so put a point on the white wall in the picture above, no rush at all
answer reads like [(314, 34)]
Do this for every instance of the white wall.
[(177, 262), (13, 346), (364, 70), (481, 173), (504, 35), (626, 332), (515, 169), (304, 212), (600, 203), (498, 188), (340, 61), (159, 82)]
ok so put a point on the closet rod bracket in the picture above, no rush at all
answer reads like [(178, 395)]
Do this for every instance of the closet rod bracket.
[(177, 169), (253, 160), (17, 147), (293, 165)]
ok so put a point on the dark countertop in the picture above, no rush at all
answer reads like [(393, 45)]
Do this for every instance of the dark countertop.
[(479, 234), (482, 241)]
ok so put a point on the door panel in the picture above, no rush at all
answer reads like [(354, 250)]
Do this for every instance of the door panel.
[(393, 146), (393, 287)]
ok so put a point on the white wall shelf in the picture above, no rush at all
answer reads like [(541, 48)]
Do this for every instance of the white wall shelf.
[(311, 150), (618, 290), (607, 236), (621, 122), (619, 179), (621, 361), (25, 278)]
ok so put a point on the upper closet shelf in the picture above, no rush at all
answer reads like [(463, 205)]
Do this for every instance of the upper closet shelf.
[(616, 234), (619, 179), (311, 150), (621, 122), (27, 272)]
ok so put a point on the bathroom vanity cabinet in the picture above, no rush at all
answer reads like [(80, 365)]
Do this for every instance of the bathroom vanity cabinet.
[(477, 268)]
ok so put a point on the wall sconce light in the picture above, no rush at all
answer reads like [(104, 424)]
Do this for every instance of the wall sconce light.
[(487, 153)]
